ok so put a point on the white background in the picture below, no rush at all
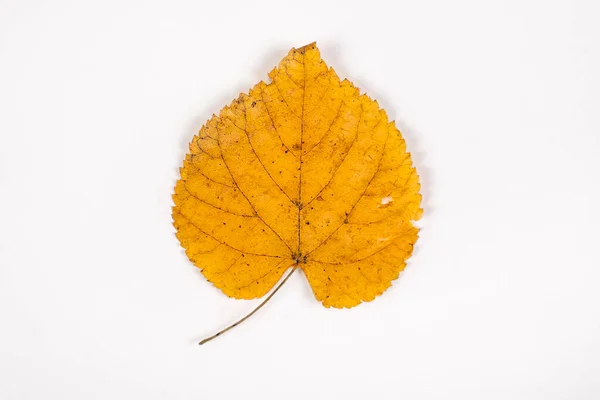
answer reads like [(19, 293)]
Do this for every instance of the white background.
[(499, 103)]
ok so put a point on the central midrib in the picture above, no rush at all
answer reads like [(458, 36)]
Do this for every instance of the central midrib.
[(299, 205)]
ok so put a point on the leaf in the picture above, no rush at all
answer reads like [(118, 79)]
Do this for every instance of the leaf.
[(301, 172)]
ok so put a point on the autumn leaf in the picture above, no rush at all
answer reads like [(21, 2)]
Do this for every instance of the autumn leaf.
[(306, 173)]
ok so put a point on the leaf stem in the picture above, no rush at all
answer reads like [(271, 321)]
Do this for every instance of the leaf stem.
[(208, 339)]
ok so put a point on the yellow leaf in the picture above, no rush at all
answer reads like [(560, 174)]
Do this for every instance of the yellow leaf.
[(301, 172)]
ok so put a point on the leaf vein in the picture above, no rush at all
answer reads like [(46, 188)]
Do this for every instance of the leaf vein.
[(260, 161), (224, 243), (359, 198), (246, 197), (214, 206), (262, 96)]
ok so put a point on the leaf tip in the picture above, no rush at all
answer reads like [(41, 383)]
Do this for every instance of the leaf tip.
[(307, 47)]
